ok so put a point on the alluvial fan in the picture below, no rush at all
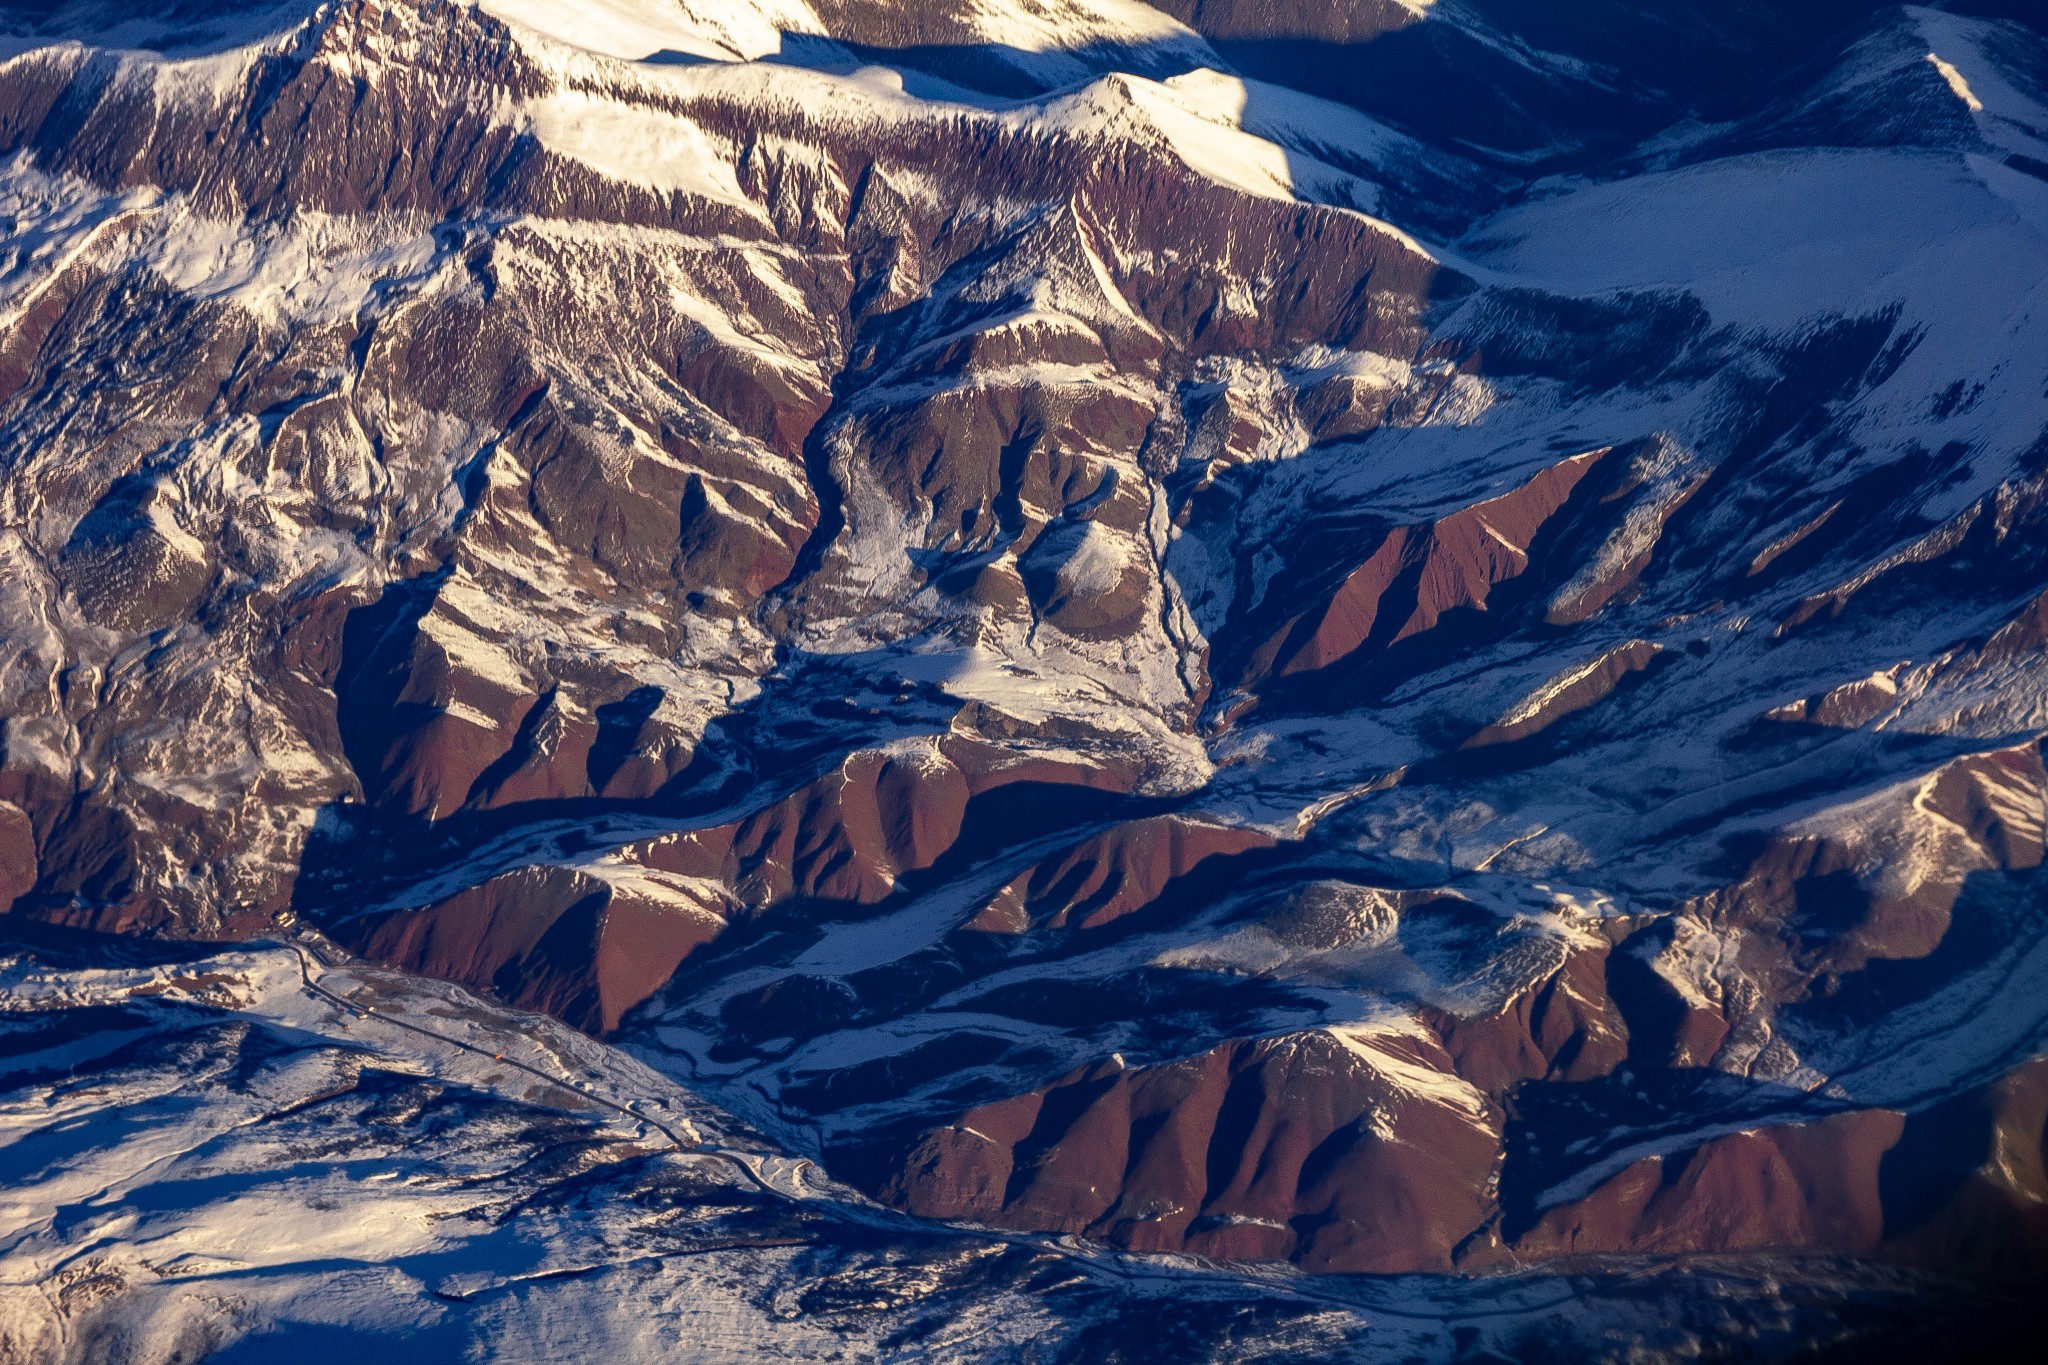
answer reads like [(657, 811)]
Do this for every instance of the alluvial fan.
[(1023, 680)]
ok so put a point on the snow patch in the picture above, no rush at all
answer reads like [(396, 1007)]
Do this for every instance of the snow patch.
[(634, 30), (639, 146), (1096, 564), (1376, 1047), (1957, 83)]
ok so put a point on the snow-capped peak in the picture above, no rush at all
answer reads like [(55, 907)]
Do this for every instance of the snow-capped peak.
[(642, 30)]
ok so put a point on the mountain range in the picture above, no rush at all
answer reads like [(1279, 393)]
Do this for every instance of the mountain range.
[(1019, 680)]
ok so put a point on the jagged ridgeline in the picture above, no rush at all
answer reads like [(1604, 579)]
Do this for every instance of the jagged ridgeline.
[(1400, 637)]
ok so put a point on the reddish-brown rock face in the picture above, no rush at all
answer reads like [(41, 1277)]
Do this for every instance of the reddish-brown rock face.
[(1299, 1148), (1106, 646), (1116, 873), (1805, 1185), (17, 853), (1418, 577)]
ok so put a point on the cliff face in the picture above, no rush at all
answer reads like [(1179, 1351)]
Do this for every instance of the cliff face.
[(1103, 644)]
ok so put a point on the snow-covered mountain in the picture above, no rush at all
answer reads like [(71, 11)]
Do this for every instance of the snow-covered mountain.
[(1353, 639)]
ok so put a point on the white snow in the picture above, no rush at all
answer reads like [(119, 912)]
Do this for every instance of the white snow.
[(1669, 474), (1957, 83), (1540, 700), (1771, 240), (267, 1174), (1058, 25), (1376, 1047), (748, 30), (1200, 117), (1097, 562), (722, 30), (313, 268), (636, 144)]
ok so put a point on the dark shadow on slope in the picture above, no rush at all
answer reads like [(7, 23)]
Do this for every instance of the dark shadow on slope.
[(71, 949), (1994, 913), (1785, 394), (798, 726), (1562, 1131), (990, 72), (1525, 77), (1435, 189), (669, 56), (178, 28), (1150, 1014)]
